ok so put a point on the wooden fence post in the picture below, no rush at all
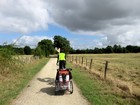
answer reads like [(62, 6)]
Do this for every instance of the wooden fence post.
[(86, 62), (106, 66), (71, 59), (90, 65), (79, 59), (82, 60)]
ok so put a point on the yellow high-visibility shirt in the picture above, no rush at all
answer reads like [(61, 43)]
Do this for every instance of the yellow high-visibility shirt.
[(62, 56)]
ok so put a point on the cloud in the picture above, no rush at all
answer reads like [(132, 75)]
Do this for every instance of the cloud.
[(23, 16), (116, 19), (93, 15), (90, 43), (31, 41)]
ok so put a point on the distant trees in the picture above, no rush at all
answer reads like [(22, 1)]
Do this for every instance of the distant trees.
[(109, 49), (134, 49), (45, 47), (6, 51), (38, 52), (19, 51), (27, 50)]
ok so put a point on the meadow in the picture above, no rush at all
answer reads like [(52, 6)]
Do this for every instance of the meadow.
[(99, 92), (123, 69)]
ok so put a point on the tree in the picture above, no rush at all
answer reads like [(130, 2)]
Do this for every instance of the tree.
[(7, 52), (46, 46), (96, 50), (19, 50), (38, 52), (27, 50), (124, 50), (62, 43), (109, 49), (129, 48), (117, 49)]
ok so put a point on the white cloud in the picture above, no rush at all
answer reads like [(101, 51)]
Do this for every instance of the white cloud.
[(23, 16), (90, 43), (124, 35), (118, 21), (31, 41)]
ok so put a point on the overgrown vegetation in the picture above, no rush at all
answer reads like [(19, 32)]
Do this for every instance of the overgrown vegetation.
[(14, 74), (100, 92), (44, 48), (6, 60), (13, 81)]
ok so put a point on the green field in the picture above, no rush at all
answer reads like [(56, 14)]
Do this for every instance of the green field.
[(124, 68)]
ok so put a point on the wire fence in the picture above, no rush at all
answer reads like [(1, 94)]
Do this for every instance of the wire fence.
[(25, 59), (121, 70), (88, 64)]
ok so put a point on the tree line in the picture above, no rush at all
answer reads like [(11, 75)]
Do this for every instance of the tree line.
[(108, 49), (46, 47)]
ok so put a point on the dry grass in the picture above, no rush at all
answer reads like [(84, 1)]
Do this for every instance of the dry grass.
[(123, 69), (100, 92), (14, 75)]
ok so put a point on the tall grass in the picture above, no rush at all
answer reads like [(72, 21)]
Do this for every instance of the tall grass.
[(14, 77), (6, 61), (11, 85), (100, 92), (124, 67)]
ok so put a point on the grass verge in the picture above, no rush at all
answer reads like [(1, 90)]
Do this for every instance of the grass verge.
[(15, 81), (99, 92)]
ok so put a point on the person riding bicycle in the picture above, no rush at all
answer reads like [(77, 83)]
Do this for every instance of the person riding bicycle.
[(61, 61)]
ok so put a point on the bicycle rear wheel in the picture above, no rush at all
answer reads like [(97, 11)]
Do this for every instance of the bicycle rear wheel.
[(71, 87)]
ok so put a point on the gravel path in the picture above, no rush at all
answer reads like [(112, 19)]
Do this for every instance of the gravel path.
[(40, 90)]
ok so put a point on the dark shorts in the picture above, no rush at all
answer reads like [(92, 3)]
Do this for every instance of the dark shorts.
[(62, 64)]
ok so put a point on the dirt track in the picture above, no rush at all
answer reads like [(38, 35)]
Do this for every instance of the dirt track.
[(40, 91)]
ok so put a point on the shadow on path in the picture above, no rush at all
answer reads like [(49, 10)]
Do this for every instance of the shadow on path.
[(49, 81), (49, 90)]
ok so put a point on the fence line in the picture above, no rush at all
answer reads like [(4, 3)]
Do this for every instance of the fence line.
[(88, 64), (25, 59)]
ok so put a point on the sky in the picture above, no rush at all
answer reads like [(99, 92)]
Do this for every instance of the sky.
[(85, 23)]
